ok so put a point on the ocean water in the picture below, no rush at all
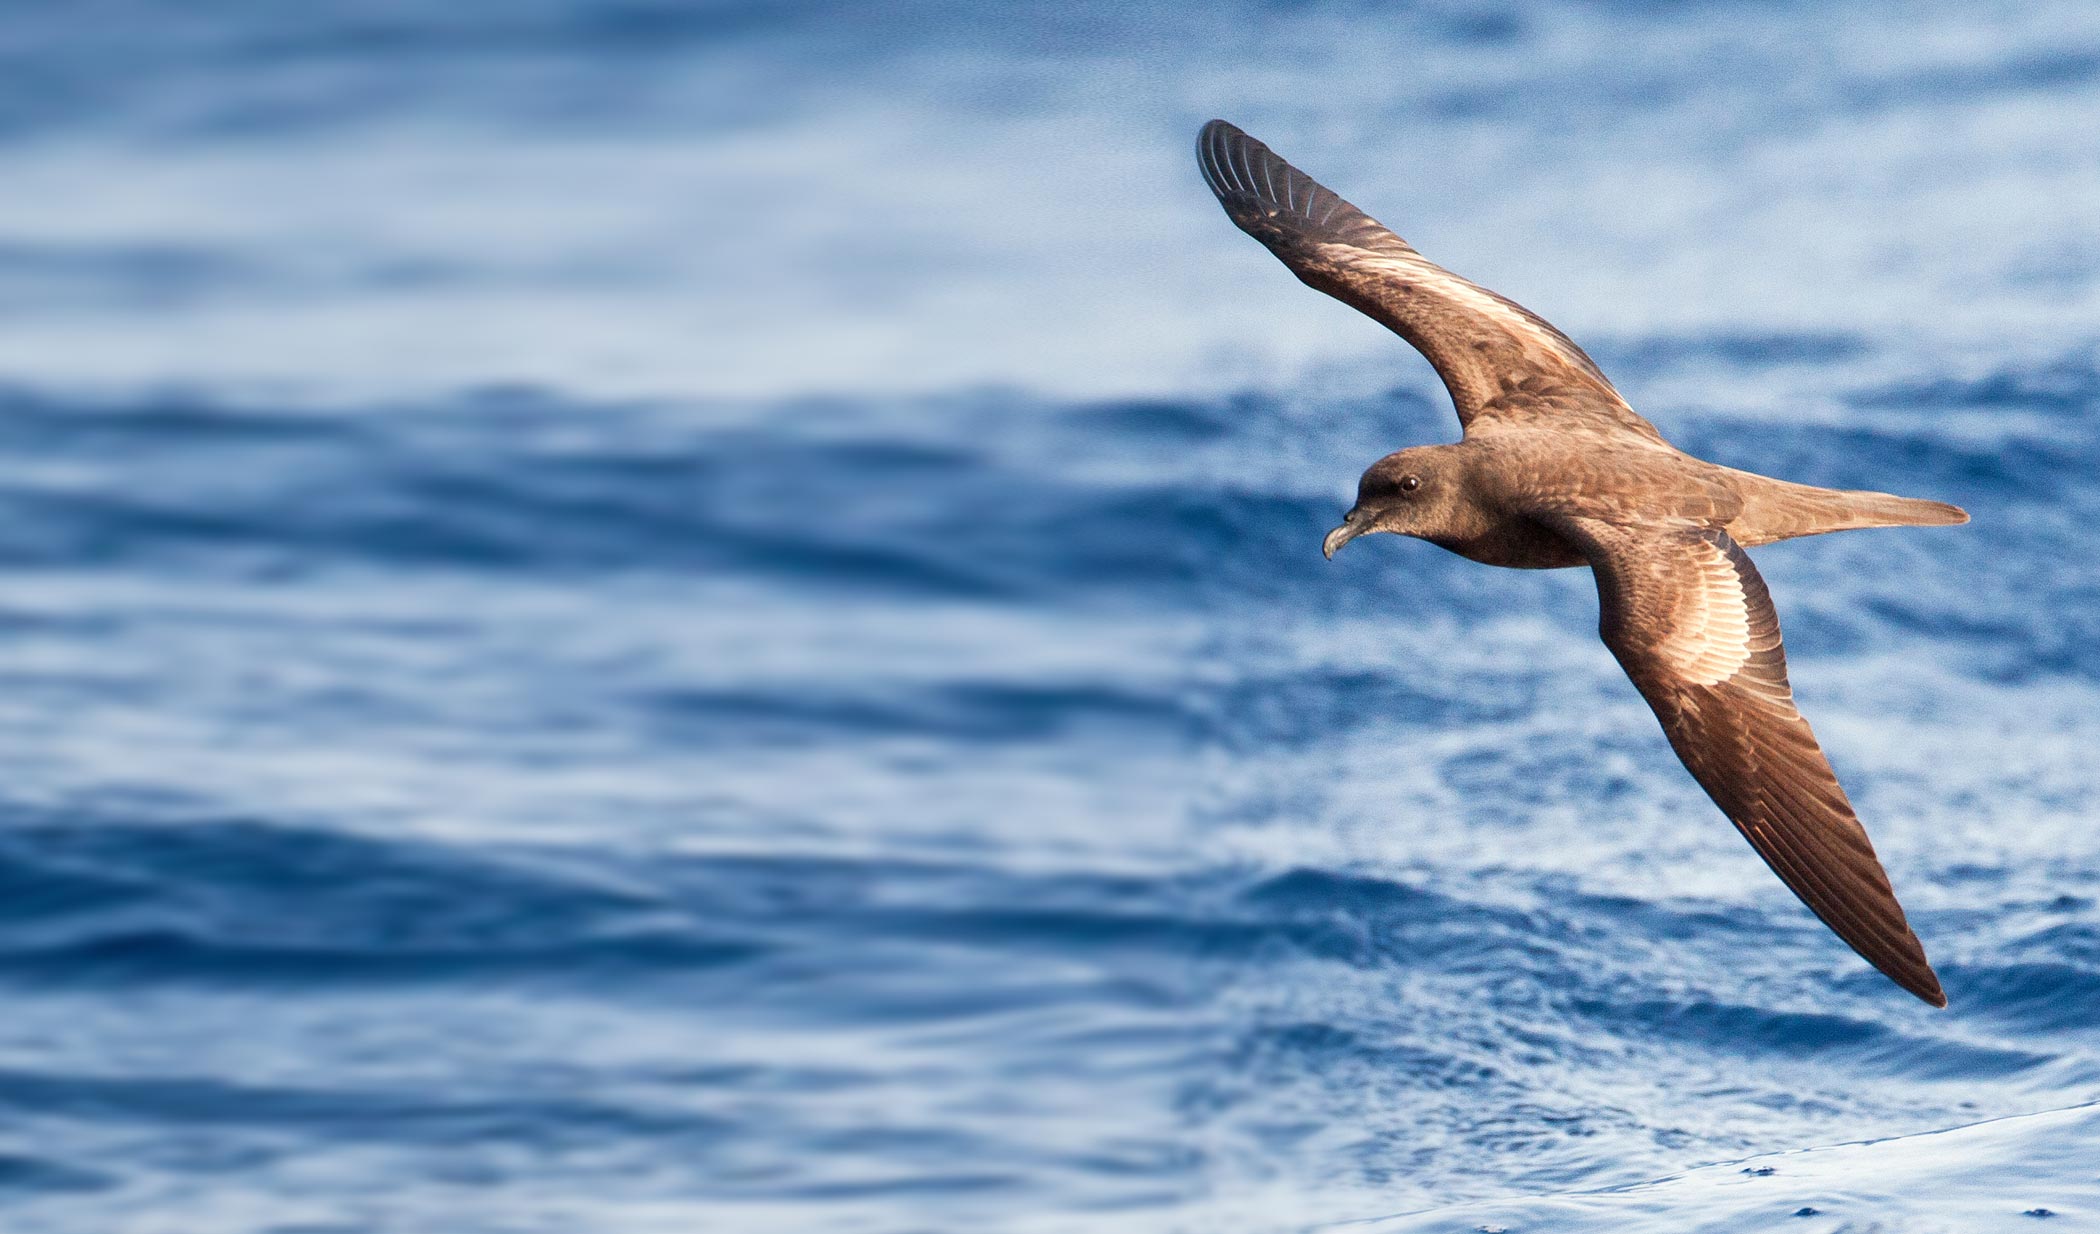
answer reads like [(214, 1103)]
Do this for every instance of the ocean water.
[(667, 617)]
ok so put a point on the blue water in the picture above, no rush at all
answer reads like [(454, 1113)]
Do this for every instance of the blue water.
[(659, 617)]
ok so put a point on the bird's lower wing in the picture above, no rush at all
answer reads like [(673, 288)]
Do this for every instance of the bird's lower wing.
[(1501, 362), (1690, 620)]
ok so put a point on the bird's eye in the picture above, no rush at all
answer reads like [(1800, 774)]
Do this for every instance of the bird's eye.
[(1409, 484)]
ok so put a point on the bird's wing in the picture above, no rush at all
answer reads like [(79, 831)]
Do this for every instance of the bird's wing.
[(1689, 619), (1501, 362)]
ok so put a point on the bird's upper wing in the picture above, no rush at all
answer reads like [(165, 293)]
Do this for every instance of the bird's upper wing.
[(1501, 362), (1690, 620)]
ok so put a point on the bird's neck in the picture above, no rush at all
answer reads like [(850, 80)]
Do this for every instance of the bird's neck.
[(1483, 525)]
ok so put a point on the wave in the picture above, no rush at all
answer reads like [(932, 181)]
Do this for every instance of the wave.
[(532, 482), (1980, 1176)]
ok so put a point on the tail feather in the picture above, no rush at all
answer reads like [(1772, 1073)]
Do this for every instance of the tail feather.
[(1776, 510)]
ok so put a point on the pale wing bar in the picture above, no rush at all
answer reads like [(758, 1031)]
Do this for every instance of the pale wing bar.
[(1689, 618), (1499, 360)]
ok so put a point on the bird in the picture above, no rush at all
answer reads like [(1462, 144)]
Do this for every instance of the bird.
[(1554, 469)]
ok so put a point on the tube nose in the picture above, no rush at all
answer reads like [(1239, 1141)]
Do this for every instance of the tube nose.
[(1352, 527)]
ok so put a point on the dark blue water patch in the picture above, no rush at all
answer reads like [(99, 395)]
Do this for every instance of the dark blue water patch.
[(1378, 1063), (1485, 26), (205, 489), (34, 889), (2032, 997), (395, 884), (2074, 941), (1303, 708), (41, 279), (246, 72), (1510, 784), (244, 903), (1318, 1043), (2023, 72), (1669, 920), (1636, 90), (1158, 421), (2014, 646), (148, 958), (2069, 386), (1917, 460), (367, 1113), (1659, 354), (986, 527), (1365, 426), (140, 432), (969, 713), (1174, 535), (640, 28), (1368, 922), (1924, 616), (24, 1176), (1826, 1037), (513, 487), (1088, 928), (1321, 891), (469, 487), (959, 904), (214, 905), (841, 517)]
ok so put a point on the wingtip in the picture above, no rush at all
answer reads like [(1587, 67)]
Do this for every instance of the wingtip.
[(1262, 192), (1229, 159), (1902, 959), (1915, 975), (1903, 963), (1209, 141)]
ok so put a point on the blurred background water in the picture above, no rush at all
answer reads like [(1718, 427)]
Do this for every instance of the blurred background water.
[(656, 617)]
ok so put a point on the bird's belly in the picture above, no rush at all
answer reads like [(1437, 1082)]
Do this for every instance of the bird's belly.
[(1519, 545)]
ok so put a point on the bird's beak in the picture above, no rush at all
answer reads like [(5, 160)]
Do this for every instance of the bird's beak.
[(1352, 527)]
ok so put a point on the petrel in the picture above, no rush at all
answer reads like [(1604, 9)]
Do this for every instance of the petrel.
[(1554, 469)]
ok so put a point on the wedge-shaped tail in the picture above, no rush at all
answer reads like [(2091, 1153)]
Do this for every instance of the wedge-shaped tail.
[(1776, 510)]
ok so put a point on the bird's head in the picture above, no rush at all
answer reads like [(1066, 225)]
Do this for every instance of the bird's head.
[(1411, 493)]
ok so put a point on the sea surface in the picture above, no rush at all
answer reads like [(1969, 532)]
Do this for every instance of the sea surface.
[(646, 617)]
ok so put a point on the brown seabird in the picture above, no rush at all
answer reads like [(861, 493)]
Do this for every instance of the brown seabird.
[(1554, 469)]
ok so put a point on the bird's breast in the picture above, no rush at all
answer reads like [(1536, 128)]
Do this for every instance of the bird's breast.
[(1517, 543)]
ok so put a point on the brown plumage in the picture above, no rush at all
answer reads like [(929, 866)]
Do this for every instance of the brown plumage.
[(1554, 469)]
